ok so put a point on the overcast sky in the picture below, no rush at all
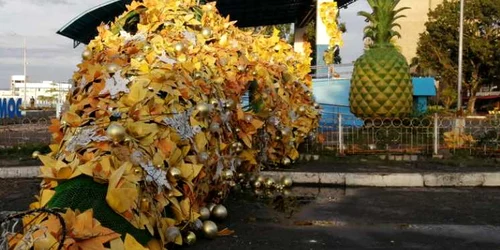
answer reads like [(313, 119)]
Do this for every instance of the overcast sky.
[(52, 57)]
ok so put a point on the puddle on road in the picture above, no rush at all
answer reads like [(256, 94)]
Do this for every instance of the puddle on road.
[(290, 202)]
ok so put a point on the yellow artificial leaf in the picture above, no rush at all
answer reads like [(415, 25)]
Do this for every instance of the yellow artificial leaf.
[(154, 244), (114, 179), (185, 207), (190, 171), (121, 199), (248, 156), (294, 154), (46, 196), (87, 168), (117, 244), (246, 139), (200, 141), (176, 209), (48, 161), (132, 244), (257, 124), (72, 119), (137, 94), (142, 129), (46, 242)]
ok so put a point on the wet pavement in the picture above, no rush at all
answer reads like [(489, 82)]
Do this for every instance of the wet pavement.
[(337, 218), (373, 164)]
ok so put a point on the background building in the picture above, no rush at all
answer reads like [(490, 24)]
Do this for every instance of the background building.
[(413, 24), (45, 93)]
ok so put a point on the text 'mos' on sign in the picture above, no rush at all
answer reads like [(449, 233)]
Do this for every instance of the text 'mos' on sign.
[(10, 107)]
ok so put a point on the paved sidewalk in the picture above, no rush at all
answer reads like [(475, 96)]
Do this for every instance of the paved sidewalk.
[(357, 171)]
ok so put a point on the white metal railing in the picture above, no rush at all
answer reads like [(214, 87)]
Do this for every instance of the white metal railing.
[(347, 134)]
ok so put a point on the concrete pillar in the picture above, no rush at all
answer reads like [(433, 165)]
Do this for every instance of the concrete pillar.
[(322, 40), (298, 45)]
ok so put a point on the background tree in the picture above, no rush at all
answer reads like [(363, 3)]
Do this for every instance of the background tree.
[(438, 46)]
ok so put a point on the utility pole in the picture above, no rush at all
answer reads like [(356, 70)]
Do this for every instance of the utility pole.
[(25, 77), (460, 56)]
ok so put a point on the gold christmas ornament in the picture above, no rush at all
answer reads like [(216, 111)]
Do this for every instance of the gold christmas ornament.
[(211, 206), (228, 174), (269, 182), (87, 54), (287, 192), (144, 205), (261, 178), (286, 161), (284, 132), (203, 109), (137, 170), (286, 181), (35, 154), (179, 47), (175, 172), (206, 32), (241, 68), (229, 104), (214, 102), (116, 132), (197, 75), (237, 147), (172, 233), (248, 118), (190, 238), (210, 229), (113, 67), (241, 176), (219, 212), (257, 184), (302, 110), (204, 213)]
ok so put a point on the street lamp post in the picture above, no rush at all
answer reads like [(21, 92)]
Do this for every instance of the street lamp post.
[(25, 77), (460, 56)]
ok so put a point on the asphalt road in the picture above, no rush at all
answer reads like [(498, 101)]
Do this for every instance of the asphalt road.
[(329, 218)]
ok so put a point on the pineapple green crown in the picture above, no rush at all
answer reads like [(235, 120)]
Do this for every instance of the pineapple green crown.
[(382, 20)]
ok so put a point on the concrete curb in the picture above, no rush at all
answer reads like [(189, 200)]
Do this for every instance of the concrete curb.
[(19, 172), (474, 179)]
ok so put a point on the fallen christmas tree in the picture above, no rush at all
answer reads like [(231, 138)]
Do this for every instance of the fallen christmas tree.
[(156, 128)]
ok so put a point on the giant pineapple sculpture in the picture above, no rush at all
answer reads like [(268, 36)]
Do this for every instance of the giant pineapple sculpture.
[(381, 84)]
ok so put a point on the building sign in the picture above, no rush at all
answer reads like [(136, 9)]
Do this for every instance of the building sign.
[(10, 107)]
